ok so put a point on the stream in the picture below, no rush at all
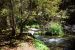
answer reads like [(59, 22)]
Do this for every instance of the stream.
[(58, 43)]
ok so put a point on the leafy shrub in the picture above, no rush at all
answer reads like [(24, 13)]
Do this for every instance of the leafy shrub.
[(56, 28), (35, 26), (40, 45)]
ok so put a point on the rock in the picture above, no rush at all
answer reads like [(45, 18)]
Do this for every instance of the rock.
[(48, 33)]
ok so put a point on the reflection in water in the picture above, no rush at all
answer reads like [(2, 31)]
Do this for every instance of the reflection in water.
[(70, 44)]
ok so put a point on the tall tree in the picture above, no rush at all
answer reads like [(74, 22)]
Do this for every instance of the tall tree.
[(12, 18)]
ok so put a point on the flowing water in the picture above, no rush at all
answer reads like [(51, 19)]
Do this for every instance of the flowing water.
[(56, 43)]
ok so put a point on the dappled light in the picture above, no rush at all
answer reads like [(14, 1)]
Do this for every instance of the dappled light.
[(37, 25)]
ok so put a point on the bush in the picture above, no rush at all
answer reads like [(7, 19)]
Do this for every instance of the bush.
[(40, 45), (56, 28)]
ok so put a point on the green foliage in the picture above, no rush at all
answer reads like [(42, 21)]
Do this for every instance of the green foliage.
[(56, 28), (4, 12), (50, 6), (62, 14), (35, 26), (40, 45)]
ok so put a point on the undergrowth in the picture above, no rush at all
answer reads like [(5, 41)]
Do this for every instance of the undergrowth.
[(39, 45)]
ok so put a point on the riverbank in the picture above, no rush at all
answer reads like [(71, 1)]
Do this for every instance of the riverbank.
[(21, 46)]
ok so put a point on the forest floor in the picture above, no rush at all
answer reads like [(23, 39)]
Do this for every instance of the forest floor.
[(21, 46)]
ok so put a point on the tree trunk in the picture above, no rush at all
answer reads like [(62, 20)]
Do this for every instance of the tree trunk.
[(23, 22), (12, 18), (21, 13)]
